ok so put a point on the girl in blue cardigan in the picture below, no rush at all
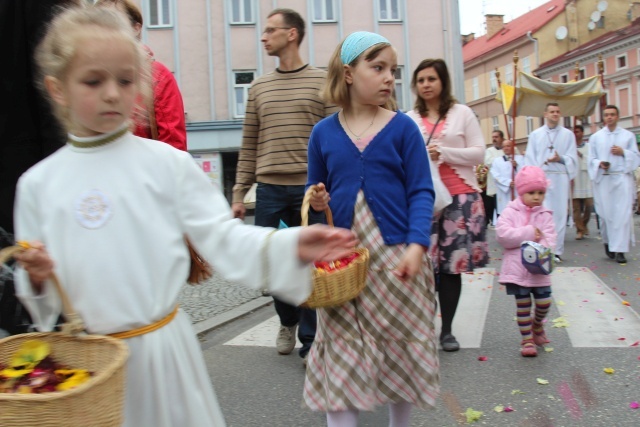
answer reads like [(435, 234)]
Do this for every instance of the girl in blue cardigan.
[(371, 168)]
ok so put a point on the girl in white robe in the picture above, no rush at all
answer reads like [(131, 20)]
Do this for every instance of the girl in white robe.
[(108, 214)]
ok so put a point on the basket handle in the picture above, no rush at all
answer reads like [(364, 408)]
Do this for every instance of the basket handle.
[(306, 205), (73, 323)]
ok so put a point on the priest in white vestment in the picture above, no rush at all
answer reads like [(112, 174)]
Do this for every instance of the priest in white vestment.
[(613, 157), (503, 171), (552, 147)]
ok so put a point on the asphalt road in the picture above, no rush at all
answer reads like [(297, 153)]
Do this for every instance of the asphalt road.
[(258, 387)]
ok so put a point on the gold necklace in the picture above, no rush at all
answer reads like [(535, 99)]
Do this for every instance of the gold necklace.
[(363, 132)]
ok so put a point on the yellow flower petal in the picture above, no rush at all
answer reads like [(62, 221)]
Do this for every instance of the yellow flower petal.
[(542, 381), (74, 377), (30, 352), (609, 371)]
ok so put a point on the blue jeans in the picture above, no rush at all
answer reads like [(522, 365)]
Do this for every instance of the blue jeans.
[(283, 202)]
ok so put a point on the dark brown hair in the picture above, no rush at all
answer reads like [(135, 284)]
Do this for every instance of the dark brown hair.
[(446, 98)]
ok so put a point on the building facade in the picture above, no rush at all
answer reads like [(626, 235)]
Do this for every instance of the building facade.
[(213, 48), (538, 36), (620, 54)]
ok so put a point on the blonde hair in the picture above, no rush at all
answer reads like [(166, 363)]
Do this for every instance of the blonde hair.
[(336, 89), (60, 45)]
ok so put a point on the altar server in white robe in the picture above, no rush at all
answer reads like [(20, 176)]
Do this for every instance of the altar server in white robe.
[(552, 147), (613, 157), (503, 170), (108, 213)]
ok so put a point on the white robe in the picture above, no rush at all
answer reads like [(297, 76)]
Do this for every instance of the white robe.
[(490, 155), (502, 173), (614, 189), (113, 220), (542, 145)]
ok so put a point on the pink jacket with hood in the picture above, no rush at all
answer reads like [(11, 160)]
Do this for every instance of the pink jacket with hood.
[(517, 223)]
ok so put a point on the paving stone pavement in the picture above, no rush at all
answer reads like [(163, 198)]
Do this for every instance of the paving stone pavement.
[(214, 297)]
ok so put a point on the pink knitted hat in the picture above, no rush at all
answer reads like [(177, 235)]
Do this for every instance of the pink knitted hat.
[(530, 178)]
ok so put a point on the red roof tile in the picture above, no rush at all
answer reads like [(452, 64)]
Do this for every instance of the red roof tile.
[(513, 30)]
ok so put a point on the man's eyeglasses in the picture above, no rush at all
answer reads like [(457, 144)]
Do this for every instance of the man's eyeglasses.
[(271, 30)]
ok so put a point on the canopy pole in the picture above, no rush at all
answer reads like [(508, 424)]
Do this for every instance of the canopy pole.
[(603, 98), (513, 119), (504, 114)]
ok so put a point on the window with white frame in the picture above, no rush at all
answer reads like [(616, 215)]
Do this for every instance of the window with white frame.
[(399, 89), (389, 10), (564, 78), (241, 12), (495, 124), (508, 75), (475, 89), (159, 14), (493, 82), (621, 62), (241, 84), (623, 100), (582, 73), (526, 65), (324, 11), (530, 125)]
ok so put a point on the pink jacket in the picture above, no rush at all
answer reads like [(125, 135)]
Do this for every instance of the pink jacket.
[(460, 142), (517, 223)]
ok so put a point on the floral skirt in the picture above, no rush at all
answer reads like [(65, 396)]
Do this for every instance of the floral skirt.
[(458, 236)]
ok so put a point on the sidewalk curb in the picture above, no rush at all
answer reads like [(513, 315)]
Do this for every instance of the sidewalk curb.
[(231, 315)]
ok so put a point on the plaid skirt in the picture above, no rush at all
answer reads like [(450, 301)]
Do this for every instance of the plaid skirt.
[(381, 347), (458, 236)]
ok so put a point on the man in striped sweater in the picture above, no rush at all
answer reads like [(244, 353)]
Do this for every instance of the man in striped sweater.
[(282, 108)]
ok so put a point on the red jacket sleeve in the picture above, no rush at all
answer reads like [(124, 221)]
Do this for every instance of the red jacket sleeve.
[(168, 106)]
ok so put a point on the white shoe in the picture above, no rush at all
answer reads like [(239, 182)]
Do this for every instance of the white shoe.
[(286, 340)]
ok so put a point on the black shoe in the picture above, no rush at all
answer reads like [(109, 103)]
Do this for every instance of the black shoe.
[(611, 255), (557, 259), (620, 259), (449, 343)]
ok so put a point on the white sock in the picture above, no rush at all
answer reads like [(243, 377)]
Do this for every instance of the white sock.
[(348, 418), (399, 414)]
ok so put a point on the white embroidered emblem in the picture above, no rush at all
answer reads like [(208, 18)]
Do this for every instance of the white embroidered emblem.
[(93, 209)]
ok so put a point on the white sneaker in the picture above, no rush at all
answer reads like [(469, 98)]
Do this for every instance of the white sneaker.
[(286, 340)]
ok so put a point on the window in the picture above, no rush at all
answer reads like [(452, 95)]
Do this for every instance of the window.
[(160, 14), (389, 10), (475, 89), (242, 12), (564, 78), (621, 62), (495, 125), (324, 10), (493, 82), (529, 125), (509, 125), (582, 73), (623, 100), (242, 82), (399, 89), (567, 122), (508, 75), (526, 65)]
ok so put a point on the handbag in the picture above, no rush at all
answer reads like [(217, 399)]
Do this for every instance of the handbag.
[(536, 258), (199, 270), (442, 196)]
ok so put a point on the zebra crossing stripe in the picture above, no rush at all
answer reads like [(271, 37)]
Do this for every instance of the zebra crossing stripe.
[(595, 314)]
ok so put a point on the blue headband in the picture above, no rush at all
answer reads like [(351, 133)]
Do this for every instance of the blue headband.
[(358, 42)]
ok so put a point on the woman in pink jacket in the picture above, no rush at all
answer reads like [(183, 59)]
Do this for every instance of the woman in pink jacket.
[(526, 219)]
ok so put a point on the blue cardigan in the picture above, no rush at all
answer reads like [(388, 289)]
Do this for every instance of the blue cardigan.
[(393, 172)]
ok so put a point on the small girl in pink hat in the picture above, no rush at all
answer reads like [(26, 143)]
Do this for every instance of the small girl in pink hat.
[(526, 219)]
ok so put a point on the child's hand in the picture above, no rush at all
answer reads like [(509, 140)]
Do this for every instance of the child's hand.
[(37, 263), (411, 262), (320, 242), (538, 235), (320, 198)]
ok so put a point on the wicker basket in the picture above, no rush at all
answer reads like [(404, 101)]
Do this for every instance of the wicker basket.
[(97, 402), (335, 288)]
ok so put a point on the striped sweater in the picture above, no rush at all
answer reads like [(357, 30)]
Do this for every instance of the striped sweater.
[(281, 110)]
